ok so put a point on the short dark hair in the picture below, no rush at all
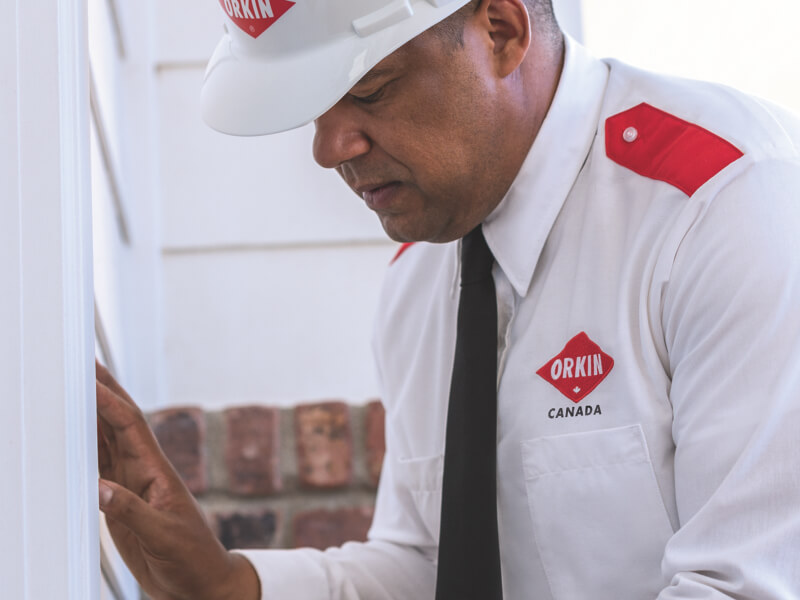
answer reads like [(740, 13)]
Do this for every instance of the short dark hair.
[(541, 11)]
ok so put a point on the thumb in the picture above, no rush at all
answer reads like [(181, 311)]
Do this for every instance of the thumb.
[(128, 509)]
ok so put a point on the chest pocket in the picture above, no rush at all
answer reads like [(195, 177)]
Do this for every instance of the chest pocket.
[(423, 476), (598, 516)]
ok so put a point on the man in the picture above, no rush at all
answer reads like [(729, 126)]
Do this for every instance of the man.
[(647, 275)]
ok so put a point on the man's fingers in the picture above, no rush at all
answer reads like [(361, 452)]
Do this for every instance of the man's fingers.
[(128, 509), (128, 451), (104, 461), (115, 410), (124, 428), (104, 377)]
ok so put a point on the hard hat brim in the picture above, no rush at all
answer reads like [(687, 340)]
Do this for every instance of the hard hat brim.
[(248, 96)]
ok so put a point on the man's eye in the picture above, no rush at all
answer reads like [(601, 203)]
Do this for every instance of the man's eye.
[(372, 98)]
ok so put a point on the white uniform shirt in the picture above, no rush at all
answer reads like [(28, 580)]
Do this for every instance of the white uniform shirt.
[(649, 380)]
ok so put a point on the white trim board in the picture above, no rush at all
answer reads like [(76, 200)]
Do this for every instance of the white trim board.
[(49, 547)]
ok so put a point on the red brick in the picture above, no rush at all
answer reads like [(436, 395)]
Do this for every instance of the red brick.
[(374, 440), (181, 432), (324, 445), (252, 450), (246, 530), (325, 528)]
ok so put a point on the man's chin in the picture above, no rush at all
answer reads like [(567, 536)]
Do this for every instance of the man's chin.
[(398, 229), (406, 230)]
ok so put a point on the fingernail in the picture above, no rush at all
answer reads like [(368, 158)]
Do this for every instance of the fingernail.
[(105, 493)]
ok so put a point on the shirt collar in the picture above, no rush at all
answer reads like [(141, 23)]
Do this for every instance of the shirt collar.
[(517, 229)]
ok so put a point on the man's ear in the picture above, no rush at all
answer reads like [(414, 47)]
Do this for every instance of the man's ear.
[(509, 27)]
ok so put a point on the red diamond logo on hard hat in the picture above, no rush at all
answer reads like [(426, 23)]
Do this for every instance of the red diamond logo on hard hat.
[(254, 17), (578, 368)]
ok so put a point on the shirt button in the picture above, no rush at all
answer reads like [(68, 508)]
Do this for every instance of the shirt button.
[(630, 134)]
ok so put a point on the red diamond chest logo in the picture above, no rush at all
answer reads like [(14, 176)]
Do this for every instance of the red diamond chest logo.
[(578, 368), (254, 17)]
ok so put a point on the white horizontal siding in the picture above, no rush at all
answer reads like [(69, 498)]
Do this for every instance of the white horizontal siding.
[(222, 190), (185, 30), (275, 327)]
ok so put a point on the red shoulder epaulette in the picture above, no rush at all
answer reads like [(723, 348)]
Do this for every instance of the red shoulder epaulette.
[(661, 146), (402, 249)]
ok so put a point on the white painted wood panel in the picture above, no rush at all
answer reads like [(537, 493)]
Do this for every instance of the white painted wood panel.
[(124, 232), (126, 292), (185, 31), (49, 543), (12, 517), (107, 69), (109, 262), (127, 270), (272, 327), (218, 190)]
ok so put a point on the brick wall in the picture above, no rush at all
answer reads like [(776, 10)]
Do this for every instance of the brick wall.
[(279, 478)]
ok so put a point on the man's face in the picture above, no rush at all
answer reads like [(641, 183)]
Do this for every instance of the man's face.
[(417, 138)]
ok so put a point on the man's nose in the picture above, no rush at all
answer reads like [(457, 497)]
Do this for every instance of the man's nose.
[(339, 137)]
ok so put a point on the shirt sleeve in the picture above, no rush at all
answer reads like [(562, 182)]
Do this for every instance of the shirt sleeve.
[(356, 571), (731, 319)]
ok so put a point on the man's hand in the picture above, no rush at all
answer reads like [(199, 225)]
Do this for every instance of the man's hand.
[(156, 524)]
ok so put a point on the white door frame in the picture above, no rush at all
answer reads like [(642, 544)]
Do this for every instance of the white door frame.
[(48, 464)]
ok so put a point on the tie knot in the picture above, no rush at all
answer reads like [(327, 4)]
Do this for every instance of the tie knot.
[(476, 257)]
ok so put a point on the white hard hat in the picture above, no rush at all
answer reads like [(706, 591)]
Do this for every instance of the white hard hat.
[(282, 64)]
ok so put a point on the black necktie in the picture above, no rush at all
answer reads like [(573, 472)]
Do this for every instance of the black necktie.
[(469, 556)]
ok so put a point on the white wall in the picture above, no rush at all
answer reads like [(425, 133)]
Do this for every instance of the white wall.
[(127, 258), (271, 265), (751, 46), (125, 223)]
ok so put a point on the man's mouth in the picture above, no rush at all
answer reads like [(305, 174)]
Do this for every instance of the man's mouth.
[(379, 197)]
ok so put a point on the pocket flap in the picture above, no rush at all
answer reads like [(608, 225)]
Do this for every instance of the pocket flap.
[(588, 449)]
